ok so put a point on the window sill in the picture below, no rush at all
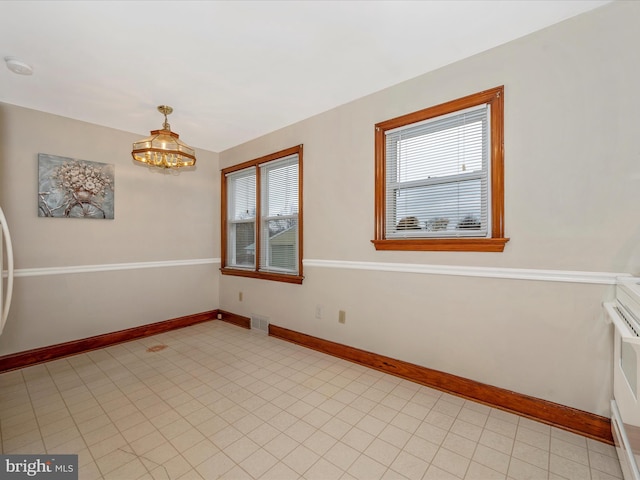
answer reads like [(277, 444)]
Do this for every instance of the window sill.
[(443, 245), (297, 279)]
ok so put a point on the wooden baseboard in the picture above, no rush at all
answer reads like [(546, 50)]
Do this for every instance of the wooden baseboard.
[(52, 352), (239, 320), (561, 416)]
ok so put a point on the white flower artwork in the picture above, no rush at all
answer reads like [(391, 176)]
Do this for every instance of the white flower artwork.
[(71, 188)]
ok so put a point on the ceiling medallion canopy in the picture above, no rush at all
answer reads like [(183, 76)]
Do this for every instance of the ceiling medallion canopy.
[(163, 148)]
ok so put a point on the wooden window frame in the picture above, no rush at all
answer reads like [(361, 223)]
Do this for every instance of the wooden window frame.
[(256, 273), (496, 242)]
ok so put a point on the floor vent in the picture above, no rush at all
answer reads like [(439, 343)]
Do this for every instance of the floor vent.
[(260, 323), (156, 348)]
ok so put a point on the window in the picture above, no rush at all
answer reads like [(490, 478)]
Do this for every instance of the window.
[(439, 177), (262, 217)]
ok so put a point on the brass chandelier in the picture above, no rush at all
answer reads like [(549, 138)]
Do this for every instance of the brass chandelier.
[(163, 148)]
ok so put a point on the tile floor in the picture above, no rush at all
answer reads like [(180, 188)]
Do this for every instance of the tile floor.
[(223, 402)]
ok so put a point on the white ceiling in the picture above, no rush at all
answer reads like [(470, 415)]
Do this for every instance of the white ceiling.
[(235, 70)]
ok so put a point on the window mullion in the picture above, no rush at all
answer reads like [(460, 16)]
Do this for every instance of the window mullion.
[(258, 218)]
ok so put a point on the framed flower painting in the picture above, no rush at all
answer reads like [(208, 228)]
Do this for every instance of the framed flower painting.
[(71, 188)]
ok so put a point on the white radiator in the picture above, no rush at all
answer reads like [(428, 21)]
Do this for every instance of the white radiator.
[(624, 314)]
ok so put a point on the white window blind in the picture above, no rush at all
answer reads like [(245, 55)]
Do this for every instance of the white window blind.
[(241, 215), (437, 177), (279, 215)]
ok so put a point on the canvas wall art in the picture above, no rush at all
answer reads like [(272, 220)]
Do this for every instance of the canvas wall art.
[(70, 188)]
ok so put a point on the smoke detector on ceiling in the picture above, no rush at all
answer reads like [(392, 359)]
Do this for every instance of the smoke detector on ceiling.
[(18, 66)]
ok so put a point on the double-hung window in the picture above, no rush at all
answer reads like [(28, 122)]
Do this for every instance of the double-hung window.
[(439, 177), (262, 217)]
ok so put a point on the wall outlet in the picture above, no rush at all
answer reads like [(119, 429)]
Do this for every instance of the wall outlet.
[(239, 296), (342, 316), (319, 311)]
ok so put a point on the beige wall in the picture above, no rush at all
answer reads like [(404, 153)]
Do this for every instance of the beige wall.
[(158, 218), (572, 179)]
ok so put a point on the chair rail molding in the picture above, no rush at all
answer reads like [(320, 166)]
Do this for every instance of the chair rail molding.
[(568, 276), (107, 267)]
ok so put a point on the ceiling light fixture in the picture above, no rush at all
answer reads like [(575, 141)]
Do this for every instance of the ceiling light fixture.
[(164, 149), (18, 66)]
